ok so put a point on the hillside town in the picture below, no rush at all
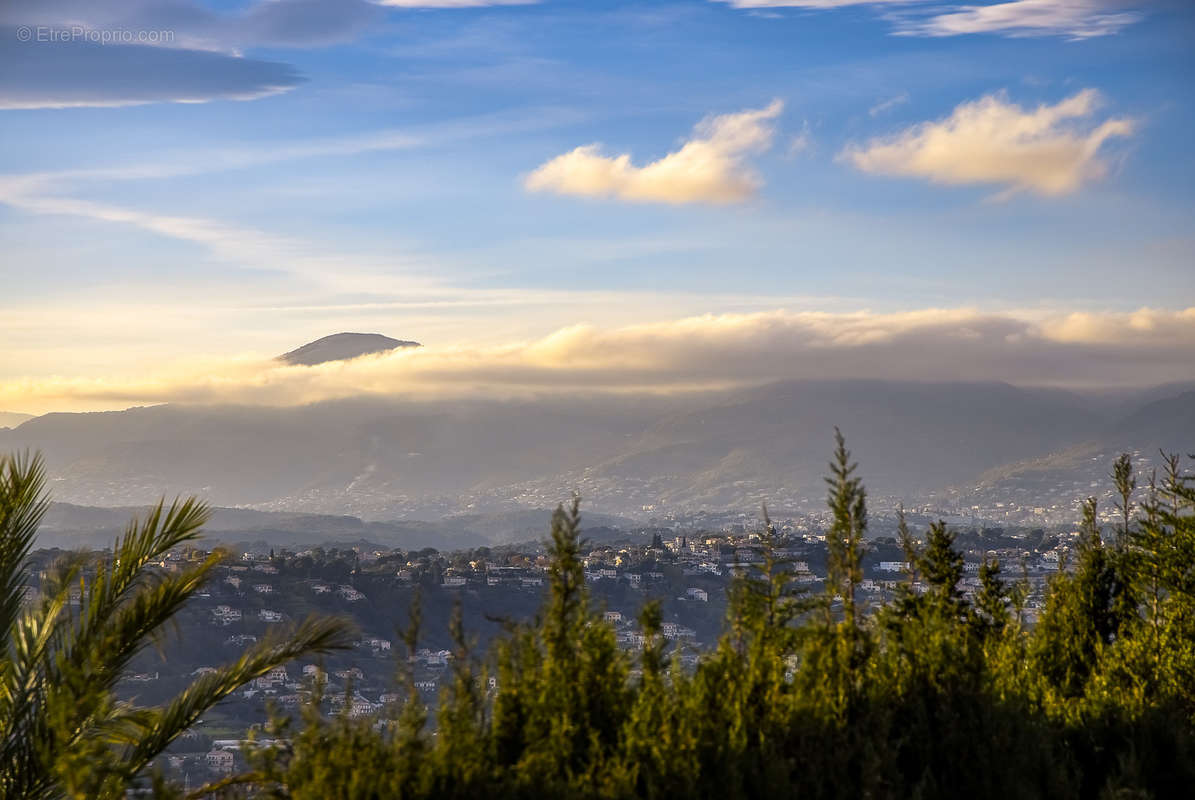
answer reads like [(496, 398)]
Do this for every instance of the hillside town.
[(257, 592)]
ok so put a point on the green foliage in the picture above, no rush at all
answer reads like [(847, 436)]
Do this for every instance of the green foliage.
[(62, 731)]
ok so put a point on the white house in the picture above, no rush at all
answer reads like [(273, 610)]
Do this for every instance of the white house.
[(221, 761), (361, 707)]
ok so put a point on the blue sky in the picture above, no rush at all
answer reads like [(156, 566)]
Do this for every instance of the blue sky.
[(280, 170)]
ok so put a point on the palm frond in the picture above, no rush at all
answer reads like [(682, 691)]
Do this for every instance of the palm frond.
[(148, 735), (23, 503)]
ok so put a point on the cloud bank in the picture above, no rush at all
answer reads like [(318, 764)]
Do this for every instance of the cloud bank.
[(709, 168), (1070, 349), (1048, 150)]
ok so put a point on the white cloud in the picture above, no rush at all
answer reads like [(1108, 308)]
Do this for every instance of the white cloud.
[(1047, 150), (757, 4), (712, 351), (1079, 19), (709, 168)]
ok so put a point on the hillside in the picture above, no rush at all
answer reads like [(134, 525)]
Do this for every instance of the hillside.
[(1060, 478), (67, 525), (771, 444), (11, 419)]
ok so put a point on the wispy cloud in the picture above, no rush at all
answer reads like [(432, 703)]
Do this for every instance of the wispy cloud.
[(57, 193), (1047, 150), (79, 73), (198, 25), (889, 104), (454, 3), (709, 168), (1063, 349), (180, 52), (815, 4), (1078, 19)]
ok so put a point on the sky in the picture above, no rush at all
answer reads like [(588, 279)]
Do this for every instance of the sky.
[(590, 195)]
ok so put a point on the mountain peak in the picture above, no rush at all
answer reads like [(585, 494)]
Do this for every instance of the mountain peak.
[(341, 346)]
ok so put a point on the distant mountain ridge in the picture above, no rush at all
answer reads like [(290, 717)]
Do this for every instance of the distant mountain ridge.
[(11, 419), (637, 457), (68, 525), (342, 346)]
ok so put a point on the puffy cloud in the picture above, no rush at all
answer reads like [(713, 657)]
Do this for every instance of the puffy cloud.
[(709, 168), (713, 351), (994, 141), (1079, 19)]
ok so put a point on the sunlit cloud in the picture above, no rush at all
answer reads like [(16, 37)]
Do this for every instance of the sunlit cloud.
[(704, 352), (1051, 150), (709, 168)]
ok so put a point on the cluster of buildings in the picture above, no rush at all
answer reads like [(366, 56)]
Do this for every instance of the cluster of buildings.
[(688, 572)]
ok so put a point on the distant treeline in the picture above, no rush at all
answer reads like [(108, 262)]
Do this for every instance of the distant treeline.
[(932, 695)]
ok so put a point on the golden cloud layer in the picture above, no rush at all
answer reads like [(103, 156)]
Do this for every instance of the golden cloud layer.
[(714, 351), (994, 141), (709, 168)]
